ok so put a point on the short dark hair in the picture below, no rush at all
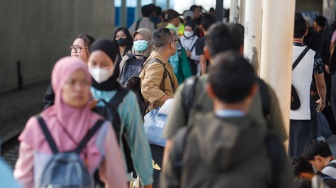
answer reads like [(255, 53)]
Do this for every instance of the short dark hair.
[(171, 14), (218, 39), (88, 40), (300, 26), (128, 36), (237, 35), (321, 21), (207, 21), (193, 7), (231, 77), (147, 10), (158, 10), (161, 37), (300, 165), (316, 147)]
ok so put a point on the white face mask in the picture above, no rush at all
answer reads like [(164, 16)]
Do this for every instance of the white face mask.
[(100, 75), (188, 34)]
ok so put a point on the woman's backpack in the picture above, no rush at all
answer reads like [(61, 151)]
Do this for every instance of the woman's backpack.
[(66, 169), (129, 78)]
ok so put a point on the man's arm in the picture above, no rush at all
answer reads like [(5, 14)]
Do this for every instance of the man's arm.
[(320, 82), (321, 89), (203, 64), (332, 42)]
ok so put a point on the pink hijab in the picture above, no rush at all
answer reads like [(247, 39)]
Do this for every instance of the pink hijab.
[(62, 118)]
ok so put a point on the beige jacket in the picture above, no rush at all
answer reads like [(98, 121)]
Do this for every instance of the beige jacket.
[(153, 85)]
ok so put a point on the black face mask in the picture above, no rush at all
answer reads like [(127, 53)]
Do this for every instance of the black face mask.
[(122, 41)]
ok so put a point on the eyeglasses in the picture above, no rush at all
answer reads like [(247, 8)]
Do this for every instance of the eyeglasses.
[(76, 48), (174, 41)]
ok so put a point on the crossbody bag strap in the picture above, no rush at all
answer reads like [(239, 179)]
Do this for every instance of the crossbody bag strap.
[(137, 25), (193, 46), (297, 61)]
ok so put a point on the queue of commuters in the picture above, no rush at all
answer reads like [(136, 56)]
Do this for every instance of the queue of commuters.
[(224, 122)]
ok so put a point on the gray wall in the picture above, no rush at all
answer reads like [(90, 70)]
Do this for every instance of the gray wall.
[(38, 33)]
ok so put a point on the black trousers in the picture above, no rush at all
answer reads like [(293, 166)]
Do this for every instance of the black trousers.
[(300, 133), (157, 155)]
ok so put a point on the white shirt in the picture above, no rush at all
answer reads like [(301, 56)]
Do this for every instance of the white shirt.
[(301, 80), (329, 170), (188, 44)]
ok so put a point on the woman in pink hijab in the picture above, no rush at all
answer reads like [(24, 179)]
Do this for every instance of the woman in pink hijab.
[(68, 122)]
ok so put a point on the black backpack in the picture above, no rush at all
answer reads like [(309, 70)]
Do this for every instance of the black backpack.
[(129, 78), (110, 113), (189, 91), (129, 75)]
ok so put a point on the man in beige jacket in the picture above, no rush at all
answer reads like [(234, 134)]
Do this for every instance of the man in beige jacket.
[(158, 81)]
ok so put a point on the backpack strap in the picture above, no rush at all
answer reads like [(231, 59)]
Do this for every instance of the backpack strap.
[(113, 106), (118, 97), (130, 55), (177, 152), (188, 96), (88, 136), (265, 98), (137, 24), (47, 134), (332, 165), (165, 72), (297, 61)]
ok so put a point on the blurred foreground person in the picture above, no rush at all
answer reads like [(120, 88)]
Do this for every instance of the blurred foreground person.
[(224, 145), (69, 131)]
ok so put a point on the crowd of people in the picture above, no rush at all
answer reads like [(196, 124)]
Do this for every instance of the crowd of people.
[(224, 124)]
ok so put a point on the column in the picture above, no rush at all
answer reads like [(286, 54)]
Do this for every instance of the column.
[(252, 38), (329, 10), (277, 50), (123, 17), (242, 12), (138, 10), (234, 11)]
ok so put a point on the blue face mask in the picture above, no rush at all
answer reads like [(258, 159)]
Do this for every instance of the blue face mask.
[(140, 45)]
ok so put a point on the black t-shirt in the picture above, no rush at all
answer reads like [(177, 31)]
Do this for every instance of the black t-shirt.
[(199, 45)]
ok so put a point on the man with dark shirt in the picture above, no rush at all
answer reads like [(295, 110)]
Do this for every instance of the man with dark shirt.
[(207, 21)]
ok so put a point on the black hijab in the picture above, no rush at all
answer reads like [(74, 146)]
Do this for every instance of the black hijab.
[(110, 49)]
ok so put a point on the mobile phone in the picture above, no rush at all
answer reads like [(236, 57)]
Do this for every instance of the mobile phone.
[(318, 107)]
